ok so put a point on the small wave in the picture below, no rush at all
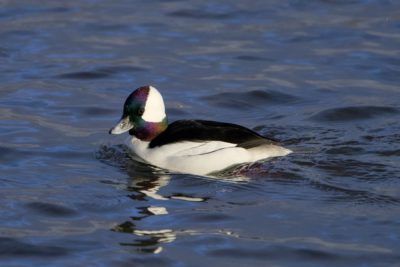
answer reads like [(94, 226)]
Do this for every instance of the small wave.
[(249, 99), (4, 52), (354, 113), (116, 155), (101, 72), (84, 75), (203, 14), (51, 209), (121, 69), (347, 194), (95, 111), (11, 247), (252, 58)]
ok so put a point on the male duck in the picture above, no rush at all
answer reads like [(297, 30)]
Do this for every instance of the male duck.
[(189, 146)]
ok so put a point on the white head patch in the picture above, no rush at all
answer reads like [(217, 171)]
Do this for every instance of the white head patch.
[(154, 110)]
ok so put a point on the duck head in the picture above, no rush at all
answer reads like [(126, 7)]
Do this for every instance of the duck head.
[(143, 114)]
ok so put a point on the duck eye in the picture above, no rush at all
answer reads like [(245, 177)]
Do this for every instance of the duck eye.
[(140, 111)]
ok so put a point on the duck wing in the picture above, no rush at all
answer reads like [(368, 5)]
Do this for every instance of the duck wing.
[(203, 130)]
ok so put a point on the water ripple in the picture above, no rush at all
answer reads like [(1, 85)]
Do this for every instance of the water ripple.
[(10, 247), (354, 113), (50, 209), (84, 75), (101, 72), (250, 99)]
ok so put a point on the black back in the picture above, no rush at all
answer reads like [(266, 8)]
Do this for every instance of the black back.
[(202, 130)]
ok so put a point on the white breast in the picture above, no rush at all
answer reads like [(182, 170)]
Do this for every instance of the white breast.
[(201, 158)]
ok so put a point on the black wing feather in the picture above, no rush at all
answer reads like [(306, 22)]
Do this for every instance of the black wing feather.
[(202, 130)]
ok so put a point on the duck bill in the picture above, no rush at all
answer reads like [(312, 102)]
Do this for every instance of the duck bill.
[(122, 126)]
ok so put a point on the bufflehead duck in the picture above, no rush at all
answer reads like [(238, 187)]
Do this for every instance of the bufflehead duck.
[(197, 147)]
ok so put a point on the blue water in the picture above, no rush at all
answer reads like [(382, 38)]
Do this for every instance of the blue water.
[(320, 76)]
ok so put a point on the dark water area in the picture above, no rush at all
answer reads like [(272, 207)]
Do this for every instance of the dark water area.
[(320, 76)]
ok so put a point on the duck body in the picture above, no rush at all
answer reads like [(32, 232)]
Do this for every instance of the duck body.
[(189, 146)]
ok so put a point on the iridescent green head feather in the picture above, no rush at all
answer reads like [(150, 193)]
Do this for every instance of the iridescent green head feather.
[(143, 114)]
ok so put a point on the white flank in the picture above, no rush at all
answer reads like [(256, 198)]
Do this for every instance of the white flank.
[(154, 110), (202, 158)]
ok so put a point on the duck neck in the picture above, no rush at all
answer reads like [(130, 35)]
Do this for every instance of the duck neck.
[(147, 131)]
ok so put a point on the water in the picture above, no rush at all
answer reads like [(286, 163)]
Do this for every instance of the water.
[(321, 76)]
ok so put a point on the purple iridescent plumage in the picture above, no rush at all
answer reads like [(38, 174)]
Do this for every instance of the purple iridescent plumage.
[(138, 95), (147, 131)]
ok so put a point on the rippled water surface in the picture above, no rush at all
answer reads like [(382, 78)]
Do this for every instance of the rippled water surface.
[(321, 76)]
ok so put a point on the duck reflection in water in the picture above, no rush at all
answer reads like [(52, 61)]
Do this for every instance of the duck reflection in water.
[(145, 186)]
